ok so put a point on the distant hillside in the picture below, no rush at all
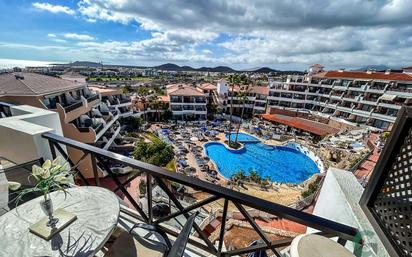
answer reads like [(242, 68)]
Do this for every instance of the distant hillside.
[(224, 69), (378, 67), (217, 69), (265, 70), (85, 63), (172, 67), (175, 67)]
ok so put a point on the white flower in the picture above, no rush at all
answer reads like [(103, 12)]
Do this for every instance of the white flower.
[(13, 185), (47, 164), (63, 179), (65, 166), (58, 161), (55, 169), (36, 170), (45, 174)]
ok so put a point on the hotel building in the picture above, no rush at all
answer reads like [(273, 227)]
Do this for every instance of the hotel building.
[(372, 98), (186, 102), (255, 102), (88, 116), (359, 221)]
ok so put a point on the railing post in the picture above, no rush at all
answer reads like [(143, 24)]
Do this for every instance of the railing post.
[(149, 197), (95, 173), (341, 241), (256, 227), (222, 228), (52, 149)]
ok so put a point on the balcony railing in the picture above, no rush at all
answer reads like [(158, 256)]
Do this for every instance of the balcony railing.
[(5, 110), (73, 106), (386, 200), (234, 199), (92, 98)]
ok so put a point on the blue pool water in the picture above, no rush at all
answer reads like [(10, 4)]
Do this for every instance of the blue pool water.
[(280, 163), (242, 137)]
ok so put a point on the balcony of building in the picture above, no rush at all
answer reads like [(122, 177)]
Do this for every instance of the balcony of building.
[(200, 108), (117, 100), (176, 108), (5, 110), (188, 107), (399, 87), (70, 105), (355, 218)]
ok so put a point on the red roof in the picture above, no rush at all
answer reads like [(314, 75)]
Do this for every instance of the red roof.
[(366, 75), (207, 86), (407, 68), (262, 90), (313, 127)]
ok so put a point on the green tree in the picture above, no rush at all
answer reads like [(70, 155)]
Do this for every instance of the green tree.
[(143, 91), (132, 123), (254, 176), (157, 153)]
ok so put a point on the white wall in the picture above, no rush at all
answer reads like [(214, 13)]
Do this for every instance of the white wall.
[(222, 87), (20, 135), (339, 201), (21, 139)]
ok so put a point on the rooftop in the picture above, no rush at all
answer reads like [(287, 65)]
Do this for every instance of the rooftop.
[(207, 86), (263, 90), (365, 75), (313, 127), (183, 90), (105, 91), (32, 84)]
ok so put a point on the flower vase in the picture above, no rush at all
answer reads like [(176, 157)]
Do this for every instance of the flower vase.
[(47, 207)]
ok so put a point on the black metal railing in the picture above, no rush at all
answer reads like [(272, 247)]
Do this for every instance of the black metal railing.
[(103, 159), (19, 173), (74, 106), (386, 200)]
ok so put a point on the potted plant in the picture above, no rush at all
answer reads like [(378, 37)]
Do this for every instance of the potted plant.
[(51, 176)]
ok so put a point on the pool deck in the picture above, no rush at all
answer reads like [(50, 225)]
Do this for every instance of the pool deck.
[(279, 192)]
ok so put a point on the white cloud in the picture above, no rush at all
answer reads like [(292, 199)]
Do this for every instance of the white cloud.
[(82, 37), (264, 32), (53, 8), (59, 40), (281, 33)]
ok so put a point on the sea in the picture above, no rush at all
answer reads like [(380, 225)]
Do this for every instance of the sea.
[(11, 63)]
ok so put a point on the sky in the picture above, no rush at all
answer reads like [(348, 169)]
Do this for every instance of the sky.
[(281, 34)]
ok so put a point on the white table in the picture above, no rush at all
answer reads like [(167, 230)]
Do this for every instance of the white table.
[(97, 210), (312, 245)]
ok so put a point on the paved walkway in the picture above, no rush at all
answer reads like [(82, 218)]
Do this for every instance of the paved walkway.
[(365, 169)]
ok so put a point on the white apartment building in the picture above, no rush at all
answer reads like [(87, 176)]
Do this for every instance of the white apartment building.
[(363, 97), (255, 103), (186, 102)]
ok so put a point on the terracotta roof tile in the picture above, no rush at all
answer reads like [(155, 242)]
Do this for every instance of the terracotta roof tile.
[(183, 90), (313, 127), (260, 90), (207, 86), (32, 84), (365, 75)]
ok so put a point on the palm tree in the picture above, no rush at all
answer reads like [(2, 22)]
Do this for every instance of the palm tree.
[(243, 95), (156, 104), (233, 80)]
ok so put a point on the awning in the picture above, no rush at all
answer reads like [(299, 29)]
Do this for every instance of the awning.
[(387, 97), (313, 127)]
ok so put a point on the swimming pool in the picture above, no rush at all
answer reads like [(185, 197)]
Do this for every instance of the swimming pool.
[(279, 163), (242, 137)]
